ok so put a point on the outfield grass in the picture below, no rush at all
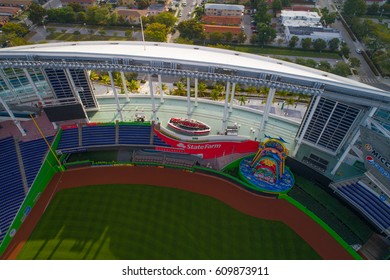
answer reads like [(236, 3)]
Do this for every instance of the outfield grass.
[(145, 222)]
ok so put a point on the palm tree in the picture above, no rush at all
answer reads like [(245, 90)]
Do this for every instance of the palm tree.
[(94, 76), (180, 89), (217, 91), (202, 87), (242, 100), (105, 79), (290, 101), (133, 85)]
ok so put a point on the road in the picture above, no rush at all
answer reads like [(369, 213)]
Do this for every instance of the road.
[(365, 73)]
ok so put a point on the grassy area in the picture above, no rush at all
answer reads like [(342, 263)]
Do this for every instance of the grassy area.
[(83, 37), (285, 52), (145, 222), (357, 225)]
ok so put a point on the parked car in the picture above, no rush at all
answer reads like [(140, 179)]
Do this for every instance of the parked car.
[(358, 51)]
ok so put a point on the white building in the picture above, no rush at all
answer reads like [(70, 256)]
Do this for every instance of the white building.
[(299, 16), (314, 33)]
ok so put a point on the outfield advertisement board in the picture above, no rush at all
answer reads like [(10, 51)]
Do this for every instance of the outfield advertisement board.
[(210, 149), (376, 154)]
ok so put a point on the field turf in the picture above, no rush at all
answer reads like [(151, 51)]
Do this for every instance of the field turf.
[(146, 222)]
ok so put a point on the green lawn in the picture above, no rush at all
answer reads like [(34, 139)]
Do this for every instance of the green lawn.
[(145, 222), (83, 37), (286, 52)]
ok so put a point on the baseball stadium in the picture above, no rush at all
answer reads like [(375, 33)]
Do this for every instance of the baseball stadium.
[(93, 170)]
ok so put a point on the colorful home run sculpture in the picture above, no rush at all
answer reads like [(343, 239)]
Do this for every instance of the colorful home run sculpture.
[(266, 170), (268, 163)]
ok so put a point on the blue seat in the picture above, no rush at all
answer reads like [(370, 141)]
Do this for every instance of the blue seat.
[(12, 192), (368, 203)]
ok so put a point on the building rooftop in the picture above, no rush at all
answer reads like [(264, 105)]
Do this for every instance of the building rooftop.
[(131, 12), (223, 29), (16, 2), (297, 23), (305, 30), (300, 14), (200, 56), (221, 20), (4, 11), (225, 7)]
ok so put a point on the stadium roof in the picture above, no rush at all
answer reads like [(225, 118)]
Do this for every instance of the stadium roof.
[(195, 55)]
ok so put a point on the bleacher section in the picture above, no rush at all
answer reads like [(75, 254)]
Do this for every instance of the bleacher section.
[(11, 185), (366, 201), (33, 154), (69, 139), (134, 135), (98, 135), (158, 142)]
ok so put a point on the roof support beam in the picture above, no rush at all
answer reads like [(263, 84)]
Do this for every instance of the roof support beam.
[(118, 106), (16, 122), (267, 109)]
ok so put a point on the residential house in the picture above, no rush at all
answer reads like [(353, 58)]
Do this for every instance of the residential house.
[(15, 3), (131, 15), (221, 20)]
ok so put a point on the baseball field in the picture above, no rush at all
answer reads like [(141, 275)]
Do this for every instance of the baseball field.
[(147, 222)]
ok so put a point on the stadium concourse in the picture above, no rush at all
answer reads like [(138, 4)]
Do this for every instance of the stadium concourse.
[(338, 140)]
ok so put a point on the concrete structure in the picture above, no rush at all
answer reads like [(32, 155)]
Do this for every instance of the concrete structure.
[(57, 74), (224, 10)]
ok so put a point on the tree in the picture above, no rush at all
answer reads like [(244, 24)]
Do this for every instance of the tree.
[(98, 15), (355, 8), (354, 62), (156, 32), (242, 100), (102, 32), (327, 17), (306, 43), (324, 66), (199, 10), (319, 44), (217, 91), (180, 89), (93, 76), (341, 68), (215, 37), (166, 18), (129, 33), (36, 13), (334, 44), (373, 9), (277, 5), (76, 7), (262, 15), (241, 37), (202, 87), (191, 29), (228, 37), (286, 3), (293, 42), (344, 50), (14, 28), (133, 85), (81, 17), (143, 4), (266, 34)]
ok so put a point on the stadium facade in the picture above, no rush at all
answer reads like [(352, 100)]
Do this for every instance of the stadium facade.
[(342, 119)]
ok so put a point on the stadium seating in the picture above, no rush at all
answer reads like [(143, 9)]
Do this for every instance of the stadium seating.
[(69, 139), (98, 135), (11, 185), (158, 142), (33, 154), (368, 203), (134, 135)]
